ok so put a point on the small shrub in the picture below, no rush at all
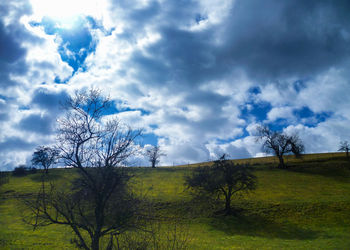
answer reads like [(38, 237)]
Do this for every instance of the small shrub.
[(32, 170), (20, 171)]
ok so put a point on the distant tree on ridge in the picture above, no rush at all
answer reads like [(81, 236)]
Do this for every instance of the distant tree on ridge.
[(280, 143), (154, 153), (45, 157), (345, 147)]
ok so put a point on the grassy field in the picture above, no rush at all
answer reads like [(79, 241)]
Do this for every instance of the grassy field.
[(306, 206)]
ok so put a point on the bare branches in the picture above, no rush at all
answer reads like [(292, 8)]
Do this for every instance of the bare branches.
[(154, 153), (98, 202), (87, 140), (279, 143), (344, 146)]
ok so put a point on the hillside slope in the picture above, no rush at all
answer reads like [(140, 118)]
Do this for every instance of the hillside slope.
[(306, 206)]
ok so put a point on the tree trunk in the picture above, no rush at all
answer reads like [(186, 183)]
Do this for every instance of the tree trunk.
[(228, 204), (281, 164), (95, 243)]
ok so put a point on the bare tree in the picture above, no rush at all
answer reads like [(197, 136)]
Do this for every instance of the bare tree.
[(45, 157), (344, 147), (223, 179), (98, 204), (154, 153), (280, 143)]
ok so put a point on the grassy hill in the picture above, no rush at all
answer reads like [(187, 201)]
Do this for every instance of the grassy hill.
[(306, 206)]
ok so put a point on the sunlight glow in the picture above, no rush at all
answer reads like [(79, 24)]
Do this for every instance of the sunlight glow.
[(66, 12)]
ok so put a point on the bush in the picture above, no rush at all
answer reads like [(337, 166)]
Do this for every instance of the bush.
[(22, 170), (32, 170)]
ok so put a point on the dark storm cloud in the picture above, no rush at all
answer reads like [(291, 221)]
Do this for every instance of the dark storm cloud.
[(180, 59), (215, 125), (207, 58), (273, 39), (192, 64), (42, 124), (15, 144), (44, 100), (151, 67), (49, 100), (144, 14), (207, 99), (10, 49), (169, 12), (269, 40), (12, 54), (190, 56), (4, 117), (181, 56)]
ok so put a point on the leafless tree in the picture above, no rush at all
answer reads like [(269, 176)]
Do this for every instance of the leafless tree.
[(97, 204), (280, 143), (344, 147), (45, 157), (154, 153)]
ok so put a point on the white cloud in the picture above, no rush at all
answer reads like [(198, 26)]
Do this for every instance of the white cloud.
[(325, 137), (280, 112), (185, 72), (328, 92)]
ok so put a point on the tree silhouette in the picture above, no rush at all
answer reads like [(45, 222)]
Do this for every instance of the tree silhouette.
[(280, 143), (98, 203), (223, 179), (154, 153), (45, 157), (344, 147)]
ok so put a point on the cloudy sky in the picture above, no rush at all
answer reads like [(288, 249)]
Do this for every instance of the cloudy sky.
[(198, 76)]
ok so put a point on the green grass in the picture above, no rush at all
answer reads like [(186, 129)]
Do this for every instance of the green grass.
[(306, 206)]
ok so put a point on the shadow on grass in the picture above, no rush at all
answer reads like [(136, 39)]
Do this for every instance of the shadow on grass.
[(339, 171), (49, 177), (255, 225)]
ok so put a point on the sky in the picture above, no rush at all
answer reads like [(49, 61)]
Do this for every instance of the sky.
[(197, 76)]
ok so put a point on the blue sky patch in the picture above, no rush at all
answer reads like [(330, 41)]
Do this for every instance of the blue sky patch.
[(150, 138), (254, 90), (279, 124), (257, 110), (309, 118), (113, 109), (76, 42), (304, 112), (58, 80)]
